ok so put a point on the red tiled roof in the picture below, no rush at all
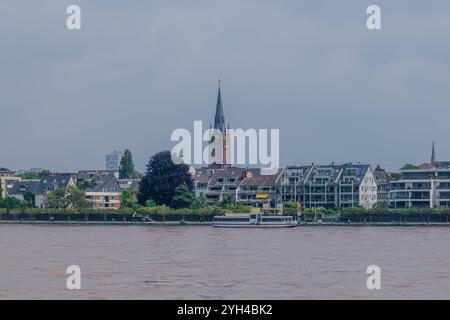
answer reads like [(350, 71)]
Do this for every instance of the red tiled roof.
[(427, 166)]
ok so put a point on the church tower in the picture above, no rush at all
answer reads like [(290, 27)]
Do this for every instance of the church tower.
[(433, 155), (219, 118), (219, 142)]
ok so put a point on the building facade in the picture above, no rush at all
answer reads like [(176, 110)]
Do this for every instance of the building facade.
[(259, 190), (290, 184), (383, 185), (223, 184), (105, 194), (19, 189), (7, 178), (329, 186), (421, 188), (39, 189)]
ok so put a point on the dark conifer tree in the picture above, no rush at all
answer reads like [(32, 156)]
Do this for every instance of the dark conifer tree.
[(126, 169)]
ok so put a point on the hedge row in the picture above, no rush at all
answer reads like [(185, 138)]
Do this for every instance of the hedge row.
[(411, 211), (99, 217), (123, 211), (218, 210)]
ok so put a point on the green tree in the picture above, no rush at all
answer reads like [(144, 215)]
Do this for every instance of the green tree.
[(182, 198), (10, 203), (381, 205), (162, 178), (409, 166), (71, 197), (29, 199), (76, 199), (126, 169), (126, 199), (30, 176), (150, 203), (199, 202), (227, 202), (396, 175), (44, 172), (56, 199), (83, 185)]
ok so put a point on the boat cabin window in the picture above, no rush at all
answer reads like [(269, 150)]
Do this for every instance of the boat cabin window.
[(229, 219), (275, 219)]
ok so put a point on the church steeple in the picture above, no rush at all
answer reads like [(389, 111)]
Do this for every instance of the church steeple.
[(433, 155), (219, 119)]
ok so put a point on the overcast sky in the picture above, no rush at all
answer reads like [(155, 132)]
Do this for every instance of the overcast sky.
[(140, 69)]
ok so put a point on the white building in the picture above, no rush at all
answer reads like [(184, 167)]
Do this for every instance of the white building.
[(426, 187)]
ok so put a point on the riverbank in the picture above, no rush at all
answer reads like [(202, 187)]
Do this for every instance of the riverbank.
[(99, 217), (190, 223)]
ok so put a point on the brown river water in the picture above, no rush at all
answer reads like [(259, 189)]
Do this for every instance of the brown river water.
[(201, 262)]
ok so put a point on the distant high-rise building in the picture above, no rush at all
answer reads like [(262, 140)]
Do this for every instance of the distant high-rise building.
[(112, 160)]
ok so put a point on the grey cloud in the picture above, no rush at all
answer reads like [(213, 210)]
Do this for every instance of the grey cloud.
[(138, 70)]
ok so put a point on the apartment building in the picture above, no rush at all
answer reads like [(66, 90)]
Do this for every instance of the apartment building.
[(358, 187), (423, 187), (329, 186), (259, 190), (290, 183), (320, 187), (201, 181), (383, 185), (223, 184), (105, 194), (244, 185)]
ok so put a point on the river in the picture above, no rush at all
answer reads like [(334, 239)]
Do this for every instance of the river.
[(201, 262)]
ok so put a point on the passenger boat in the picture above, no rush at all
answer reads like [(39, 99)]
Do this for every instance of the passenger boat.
[(254, 220)]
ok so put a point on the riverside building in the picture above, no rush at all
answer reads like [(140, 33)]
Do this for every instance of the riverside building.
[(423, 186), (329, 186)]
